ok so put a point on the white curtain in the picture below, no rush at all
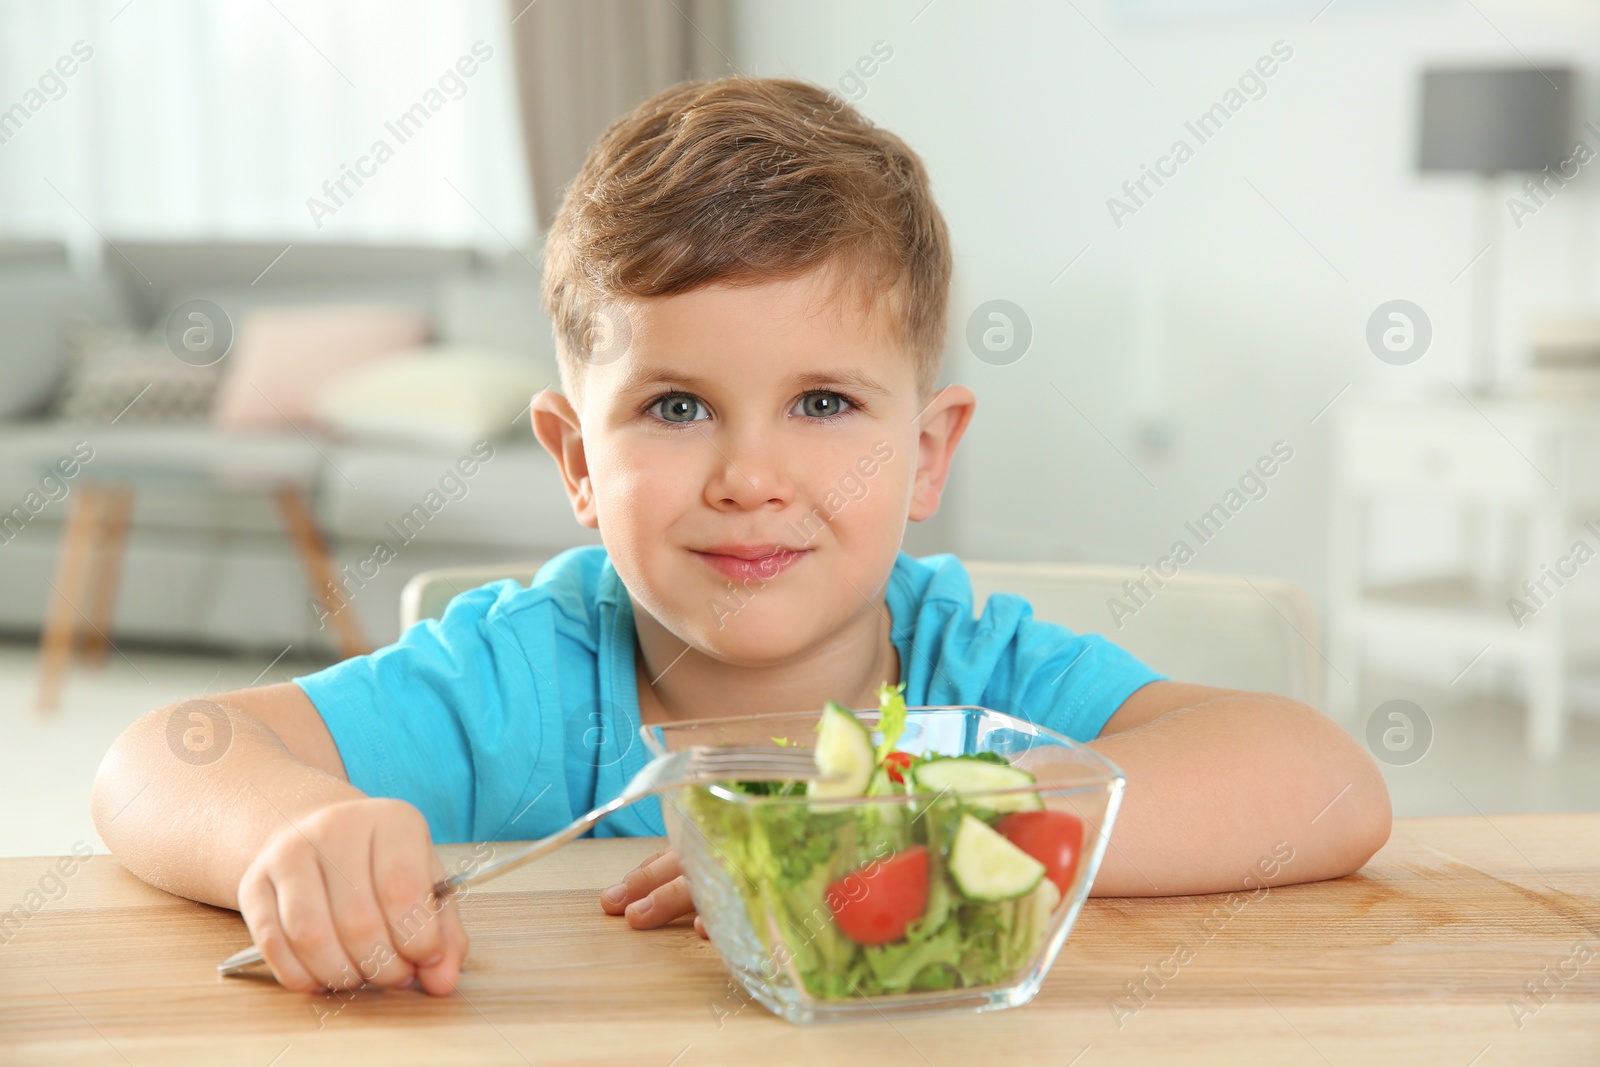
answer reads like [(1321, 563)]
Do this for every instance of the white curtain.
[(197, 119)]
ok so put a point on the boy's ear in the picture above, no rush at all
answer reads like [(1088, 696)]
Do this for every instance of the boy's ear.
[(943, 422), (556, 425)]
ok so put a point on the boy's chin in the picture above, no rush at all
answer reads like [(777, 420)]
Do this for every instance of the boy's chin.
[(747, 640)]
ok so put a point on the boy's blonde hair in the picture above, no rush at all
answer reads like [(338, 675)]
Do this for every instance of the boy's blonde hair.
[(744, 180)]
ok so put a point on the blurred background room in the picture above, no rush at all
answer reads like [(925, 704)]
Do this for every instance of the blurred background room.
[(1283, 316)]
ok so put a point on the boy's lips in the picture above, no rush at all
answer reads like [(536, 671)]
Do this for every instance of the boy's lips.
[(750, 562)]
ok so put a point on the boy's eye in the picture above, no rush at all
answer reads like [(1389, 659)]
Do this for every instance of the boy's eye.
[(679, 407), (820, 405)]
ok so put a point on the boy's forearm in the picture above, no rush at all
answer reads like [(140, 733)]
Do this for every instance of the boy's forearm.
[(192, 827), (1237, 793)]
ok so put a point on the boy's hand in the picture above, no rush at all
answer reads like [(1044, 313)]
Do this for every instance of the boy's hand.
[(345, 897), (652, 894)]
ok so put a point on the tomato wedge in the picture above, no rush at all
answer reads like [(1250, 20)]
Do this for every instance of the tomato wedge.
[(1054, 838), (895, 763), (874, 903)]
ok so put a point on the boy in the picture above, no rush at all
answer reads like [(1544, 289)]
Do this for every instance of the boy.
[(748, 283)]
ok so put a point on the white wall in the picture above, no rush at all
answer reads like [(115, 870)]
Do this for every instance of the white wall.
[(1029, 120)]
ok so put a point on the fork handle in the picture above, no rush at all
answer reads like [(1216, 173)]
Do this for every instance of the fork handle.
[(245, 959)]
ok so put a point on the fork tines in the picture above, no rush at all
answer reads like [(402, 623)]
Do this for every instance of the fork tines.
[(750, 760)]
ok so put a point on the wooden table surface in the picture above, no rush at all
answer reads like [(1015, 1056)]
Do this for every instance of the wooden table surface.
[(1465, 942)]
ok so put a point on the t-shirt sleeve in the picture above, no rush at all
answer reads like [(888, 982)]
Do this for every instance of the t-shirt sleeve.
[(1006, 659), (411, 720), (1072, 683)]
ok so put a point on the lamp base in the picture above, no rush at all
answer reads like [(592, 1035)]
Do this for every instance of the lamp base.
[(1483, 368)]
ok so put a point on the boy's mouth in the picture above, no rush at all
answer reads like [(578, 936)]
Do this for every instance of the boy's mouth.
[(750, 562)]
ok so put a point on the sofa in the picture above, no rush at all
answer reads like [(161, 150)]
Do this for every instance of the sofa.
[(208, 561)]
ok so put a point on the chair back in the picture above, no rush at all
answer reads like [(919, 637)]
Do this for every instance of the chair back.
[(1211, 629), (427, 594)]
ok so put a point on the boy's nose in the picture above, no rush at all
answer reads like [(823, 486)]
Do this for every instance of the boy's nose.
[(746, 473)]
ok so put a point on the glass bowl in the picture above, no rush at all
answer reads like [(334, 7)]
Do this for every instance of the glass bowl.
[(768, 873)]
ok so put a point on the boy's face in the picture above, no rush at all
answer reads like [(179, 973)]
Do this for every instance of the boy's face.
[(751, 461)]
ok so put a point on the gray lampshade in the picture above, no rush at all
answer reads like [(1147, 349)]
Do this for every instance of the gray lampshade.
[(1489, 121)]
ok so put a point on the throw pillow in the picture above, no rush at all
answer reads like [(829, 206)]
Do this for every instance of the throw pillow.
[(118, 376), (445, 396), (283, 356)]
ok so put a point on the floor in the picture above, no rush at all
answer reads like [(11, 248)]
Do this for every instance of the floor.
[(48, 763), (1475, 764)]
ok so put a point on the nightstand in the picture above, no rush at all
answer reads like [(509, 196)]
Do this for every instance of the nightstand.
[(1525, 469)]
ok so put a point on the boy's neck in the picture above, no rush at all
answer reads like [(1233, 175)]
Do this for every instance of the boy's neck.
[(676, 683)]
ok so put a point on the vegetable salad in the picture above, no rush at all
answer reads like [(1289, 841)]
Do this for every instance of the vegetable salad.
[(953, 888)]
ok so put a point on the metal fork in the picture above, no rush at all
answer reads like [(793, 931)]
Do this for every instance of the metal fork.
[(691, 766)]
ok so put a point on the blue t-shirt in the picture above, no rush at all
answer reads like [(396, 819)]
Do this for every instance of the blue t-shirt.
[(518, 710)]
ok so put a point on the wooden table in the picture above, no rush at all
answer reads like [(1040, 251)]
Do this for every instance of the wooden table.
[(1419, 959)]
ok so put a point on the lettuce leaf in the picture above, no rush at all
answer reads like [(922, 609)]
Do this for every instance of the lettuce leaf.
[(891, 718)]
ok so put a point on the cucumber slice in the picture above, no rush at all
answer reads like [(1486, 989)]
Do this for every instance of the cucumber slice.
[(1026, 935), (965, 776), (880, 783), (844, 754), (986, 866)]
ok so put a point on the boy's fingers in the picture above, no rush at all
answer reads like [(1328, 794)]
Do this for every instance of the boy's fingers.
[(700, 927), (362, 925), (661, 905), (441, 978), (404, 870), (308, 923), (655, 870), (439, 971), (258, 904)]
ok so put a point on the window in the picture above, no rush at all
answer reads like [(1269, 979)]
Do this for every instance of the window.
[(315, 120)]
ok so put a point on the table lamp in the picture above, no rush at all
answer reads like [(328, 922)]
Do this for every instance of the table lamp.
[(1489, 121)]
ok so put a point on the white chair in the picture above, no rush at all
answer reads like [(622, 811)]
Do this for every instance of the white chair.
[(427, 594), (1240, 633), (1232, 631)]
